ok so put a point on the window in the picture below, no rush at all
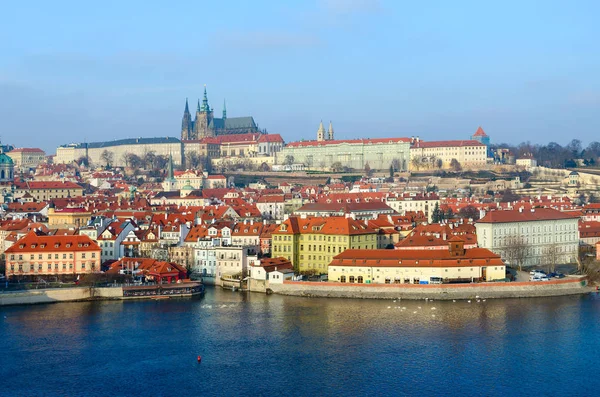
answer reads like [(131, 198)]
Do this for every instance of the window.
[(342, 279), (83, 255), (351, 279)]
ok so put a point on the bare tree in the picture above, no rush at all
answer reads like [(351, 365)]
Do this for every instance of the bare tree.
[(148, 159), (107, 157), (336, 167), (415, 163), (455, 164), (289, 160), (396, 164), (551, 256), (516, 250), (192, 160)]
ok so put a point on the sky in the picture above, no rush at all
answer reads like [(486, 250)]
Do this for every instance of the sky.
[(94, 71)]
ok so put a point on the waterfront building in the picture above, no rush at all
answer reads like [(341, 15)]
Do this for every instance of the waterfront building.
[(439, 154), (455, 264), (206, 125), (530, 237), (264, 268), (26, 159), (45, 191), (57, 255), (311, 242)]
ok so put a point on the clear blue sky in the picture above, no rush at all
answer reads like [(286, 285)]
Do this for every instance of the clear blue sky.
[(524, 70)]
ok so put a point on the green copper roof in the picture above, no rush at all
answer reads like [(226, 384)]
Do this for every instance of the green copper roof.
[(4, 159)]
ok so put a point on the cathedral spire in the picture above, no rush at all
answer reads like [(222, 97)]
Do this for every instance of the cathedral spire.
[(187, 108), (224, 110), (198, 107), (205, 107), (330, 132)]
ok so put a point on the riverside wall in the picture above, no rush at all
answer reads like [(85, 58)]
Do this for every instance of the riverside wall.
[(54, 295), (567, 286)]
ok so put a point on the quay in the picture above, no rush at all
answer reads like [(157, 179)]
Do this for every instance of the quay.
[(127, 292)]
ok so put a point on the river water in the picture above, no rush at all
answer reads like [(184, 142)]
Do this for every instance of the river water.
[(258, 345)]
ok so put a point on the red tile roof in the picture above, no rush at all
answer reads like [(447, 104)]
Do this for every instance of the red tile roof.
[(459, 143), (61, 243), (535, 214), (480, 132)]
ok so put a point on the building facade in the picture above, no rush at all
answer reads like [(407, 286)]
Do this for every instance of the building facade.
[(27, 158), (311, 243), (35, 255), (439, 154), (540, 236), (378, 153), (114, 153), (452, 265)]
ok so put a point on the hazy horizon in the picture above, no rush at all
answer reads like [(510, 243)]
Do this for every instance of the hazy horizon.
[(74, 72)]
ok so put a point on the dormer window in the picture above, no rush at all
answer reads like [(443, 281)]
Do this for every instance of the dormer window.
[(22, 246), (56, 245)]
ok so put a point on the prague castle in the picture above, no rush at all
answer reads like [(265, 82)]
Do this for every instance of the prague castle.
[(205, 125)]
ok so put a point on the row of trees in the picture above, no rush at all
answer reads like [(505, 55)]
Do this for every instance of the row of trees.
[(149, 161), (554, 155)]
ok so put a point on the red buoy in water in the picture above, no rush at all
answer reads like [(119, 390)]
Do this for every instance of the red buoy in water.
[(199, 358)]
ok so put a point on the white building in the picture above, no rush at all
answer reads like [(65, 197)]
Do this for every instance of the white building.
[(533, 237), (469, 153), (413, 202)]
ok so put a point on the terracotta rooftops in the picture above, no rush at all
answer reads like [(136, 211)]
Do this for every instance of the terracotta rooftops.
[(458, 143), (480, 132)]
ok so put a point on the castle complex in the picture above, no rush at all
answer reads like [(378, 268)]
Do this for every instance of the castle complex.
[(205, 125)]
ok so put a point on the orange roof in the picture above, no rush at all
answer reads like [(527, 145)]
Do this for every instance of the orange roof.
[(535, 214), (34, 243), (459, 143), (323, 225), (480, 132), (27, 150), (416, 258)]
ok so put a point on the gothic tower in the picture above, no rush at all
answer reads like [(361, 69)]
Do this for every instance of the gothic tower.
[(330, 132), (224, 110), (204, 117), (186, 123), (321, 132)]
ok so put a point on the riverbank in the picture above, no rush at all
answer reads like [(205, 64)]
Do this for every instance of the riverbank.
[(75, 294), (566, 286)]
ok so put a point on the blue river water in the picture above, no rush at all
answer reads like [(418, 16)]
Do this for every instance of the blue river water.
[(258, 345)]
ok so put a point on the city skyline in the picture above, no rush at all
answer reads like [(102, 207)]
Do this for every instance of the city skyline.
[(375, 68)]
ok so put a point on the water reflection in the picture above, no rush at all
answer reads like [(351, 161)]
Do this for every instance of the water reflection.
[(255, 344)]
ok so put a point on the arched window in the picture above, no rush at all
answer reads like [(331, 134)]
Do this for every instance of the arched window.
[(2, 174), (342, 279), (360, 279), (352, 279)]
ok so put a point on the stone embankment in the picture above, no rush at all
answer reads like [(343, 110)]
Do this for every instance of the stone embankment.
[(59, 295), (566, 286)]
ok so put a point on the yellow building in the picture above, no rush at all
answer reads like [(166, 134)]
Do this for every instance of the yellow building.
[(44, 191), (68, 217), (27, 158), (439, 154), (417, 266), (311, 243)]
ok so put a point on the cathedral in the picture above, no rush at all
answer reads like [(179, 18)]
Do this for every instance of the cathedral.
[(205, 125)]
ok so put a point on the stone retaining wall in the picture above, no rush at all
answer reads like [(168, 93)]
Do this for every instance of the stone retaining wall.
[(567, 286), (59, 295)]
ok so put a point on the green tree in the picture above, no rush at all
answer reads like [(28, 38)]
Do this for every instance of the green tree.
[(337, 167), (437, 215), (391, 171)]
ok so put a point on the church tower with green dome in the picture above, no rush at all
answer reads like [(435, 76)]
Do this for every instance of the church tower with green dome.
[(7, 168)]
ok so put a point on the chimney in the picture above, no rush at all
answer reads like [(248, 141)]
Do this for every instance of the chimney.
[(521, 209)]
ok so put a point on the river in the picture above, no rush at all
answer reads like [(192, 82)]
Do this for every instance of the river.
[(258, 345)]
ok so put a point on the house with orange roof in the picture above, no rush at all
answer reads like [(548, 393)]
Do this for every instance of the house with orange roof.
[(311, 242), (45, 191), (439, 154), (455, 264), (112, 236), (62, 256)]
